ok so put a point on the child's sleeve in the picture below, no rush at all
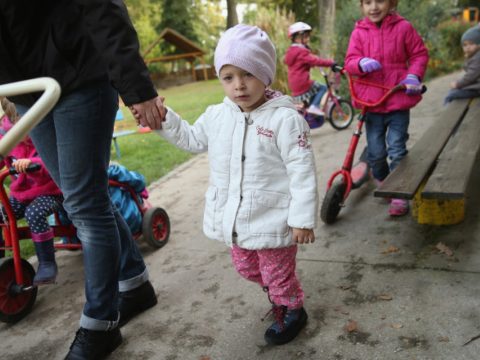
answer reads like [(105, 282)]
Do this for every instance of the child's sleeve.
[(314, 60), (297, 153), (472, 72), (354, 54), (179, 132), (417, 53)]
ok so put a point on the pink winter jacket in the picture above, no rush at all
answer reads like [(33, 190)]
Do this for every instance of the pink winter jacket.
[(28, 186), (299, 60), (400, 51)]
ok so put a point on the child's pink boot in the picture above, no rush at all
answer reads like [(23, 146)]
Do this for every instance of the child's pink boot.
[(398, 207)]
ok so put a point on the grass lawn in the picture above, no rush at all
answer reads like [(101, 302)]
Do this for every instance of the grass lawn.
[(150, 154)]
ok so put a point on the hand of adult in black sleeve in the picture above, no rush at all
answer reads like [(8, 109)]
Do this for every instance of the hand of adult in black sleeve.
[(150, 113)]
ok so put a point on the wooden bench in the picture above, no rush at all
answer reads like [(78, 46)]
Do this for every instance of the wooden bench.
[(436, 170)]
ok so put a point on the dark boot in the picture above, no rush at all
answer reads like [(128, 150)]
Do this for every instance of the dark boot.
[(47, 267), (287, 325), (94, 345), (135, 301)]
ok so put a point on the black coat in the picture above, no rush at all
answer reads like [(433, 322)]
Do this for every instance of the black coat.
[(77, 42)]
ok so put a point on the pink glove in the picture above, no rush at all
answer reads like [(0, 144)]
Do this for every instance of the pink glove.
[(368, 65), (412, 84)]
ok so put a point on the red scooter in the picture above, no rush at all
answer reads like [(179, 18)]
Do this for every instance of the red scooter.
[(350, 177)]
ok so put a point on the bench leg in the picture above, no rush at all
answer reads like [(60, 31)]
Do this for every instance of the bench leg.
[(437, 212), (117, 148)]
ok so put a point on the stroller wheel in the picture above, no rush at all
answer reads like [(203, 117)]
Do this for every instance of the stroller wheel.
[(332, 202), (156, 227), (15, 304)]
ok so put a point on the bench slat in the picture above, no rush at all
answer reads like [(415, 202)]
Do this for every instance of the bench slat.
[(450, 177), (404, 181)]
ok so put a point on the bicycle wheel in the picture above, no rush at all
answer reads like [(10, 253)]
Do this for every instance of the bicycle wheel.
[(332, 203), (341, 117), (14, 305), (156, 227)]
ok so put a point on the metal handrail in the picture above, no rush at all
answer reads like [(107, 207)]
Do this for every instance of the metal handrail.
[(51, 94)]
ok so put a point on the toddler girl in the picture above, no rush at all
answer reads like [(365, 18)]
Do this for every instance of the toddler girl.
[(262, 197), (384, 48), (33, 195), (299, 59)]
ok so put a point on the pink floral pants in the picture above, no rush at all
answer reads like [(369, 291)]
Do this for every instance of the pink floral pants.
[(272, 268)]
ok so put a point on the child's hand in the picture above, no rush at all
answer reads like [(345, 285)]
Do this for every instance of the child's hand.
[(21, 165), (412, 85), (150, 113), (303, 236), (368, 65)]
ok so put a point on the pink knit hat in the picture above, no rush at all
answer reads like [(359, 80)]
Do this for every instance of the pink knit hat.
[(249, 48)]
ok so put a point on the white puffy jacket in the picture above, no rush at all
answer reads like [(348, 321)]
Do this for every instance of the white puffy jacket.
[(262, 171)]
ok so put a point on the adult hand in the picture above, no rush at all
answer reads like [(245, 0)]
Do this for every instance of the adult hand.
[(368, 65), (412, 85), (150, 113), (303, 236)]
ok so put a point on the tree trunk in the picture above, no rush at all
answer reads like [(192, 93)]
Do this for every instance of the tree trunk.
[(326, 19), (232, 17)]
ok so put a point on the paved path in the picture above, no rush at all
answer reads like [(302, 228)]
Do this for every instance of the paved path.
[(416, 303)]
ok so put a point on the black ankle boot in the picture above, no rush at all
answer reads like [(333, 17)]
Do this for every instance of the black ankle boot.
[(94, 345), (47, 267), (135, 301), (287, 325)]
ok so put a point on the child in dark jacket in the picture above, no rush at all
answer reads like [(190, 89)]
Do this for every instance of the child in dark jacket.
[(468, 85), (33, 195)]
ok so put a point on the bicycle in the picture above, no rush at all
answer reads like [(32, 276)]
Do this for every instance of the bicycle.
[(338, 112)]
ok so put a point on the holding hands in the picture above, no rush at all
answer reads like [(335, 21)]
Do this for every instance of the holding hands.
[(412, 84), (150, 113), (368, 65)]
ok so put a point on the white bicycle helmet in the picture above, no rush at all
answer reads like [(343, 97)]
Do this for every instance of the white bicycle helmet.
[(298, 27)]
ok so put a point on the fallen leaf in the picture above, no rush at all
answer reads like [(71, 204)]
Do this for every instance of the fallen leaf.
[(351, 326), (396, 326), (385, 297), (383, 317), (443, 339), (345, 287), (444, 249), (204, 358), (391, 249)]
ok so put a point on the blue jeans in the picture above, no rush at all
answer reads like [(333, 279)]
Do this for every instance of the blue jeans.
[(460, 94), (74, 142), (387, 135), (317, 98)]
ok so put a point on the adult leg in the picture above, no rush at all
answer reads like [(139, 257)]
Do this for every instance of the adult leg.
[(74, 142), (460, 94)]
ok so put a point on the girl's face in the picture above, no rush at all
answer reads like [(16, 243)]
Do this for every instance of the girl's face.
[(376, 10), (242, 88)]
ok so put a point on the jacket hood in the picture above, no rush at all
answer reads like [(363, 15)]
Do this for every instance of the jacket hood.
[(389, 20), (277, 102)]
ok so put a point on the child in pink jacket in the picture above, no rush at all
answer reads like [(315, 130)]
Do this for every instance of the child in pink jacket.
[(384, 48), (300, 60), (33, 195)]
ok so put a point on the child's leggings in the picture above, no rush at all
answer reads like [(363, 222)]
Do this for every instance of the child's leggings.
[(36, 213), (272, 268)]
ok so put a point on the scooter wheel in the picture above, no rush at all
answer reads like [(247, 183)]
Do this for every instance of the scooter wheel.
[(332, 203), (156, 227), (341, 118), (15, 304)]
